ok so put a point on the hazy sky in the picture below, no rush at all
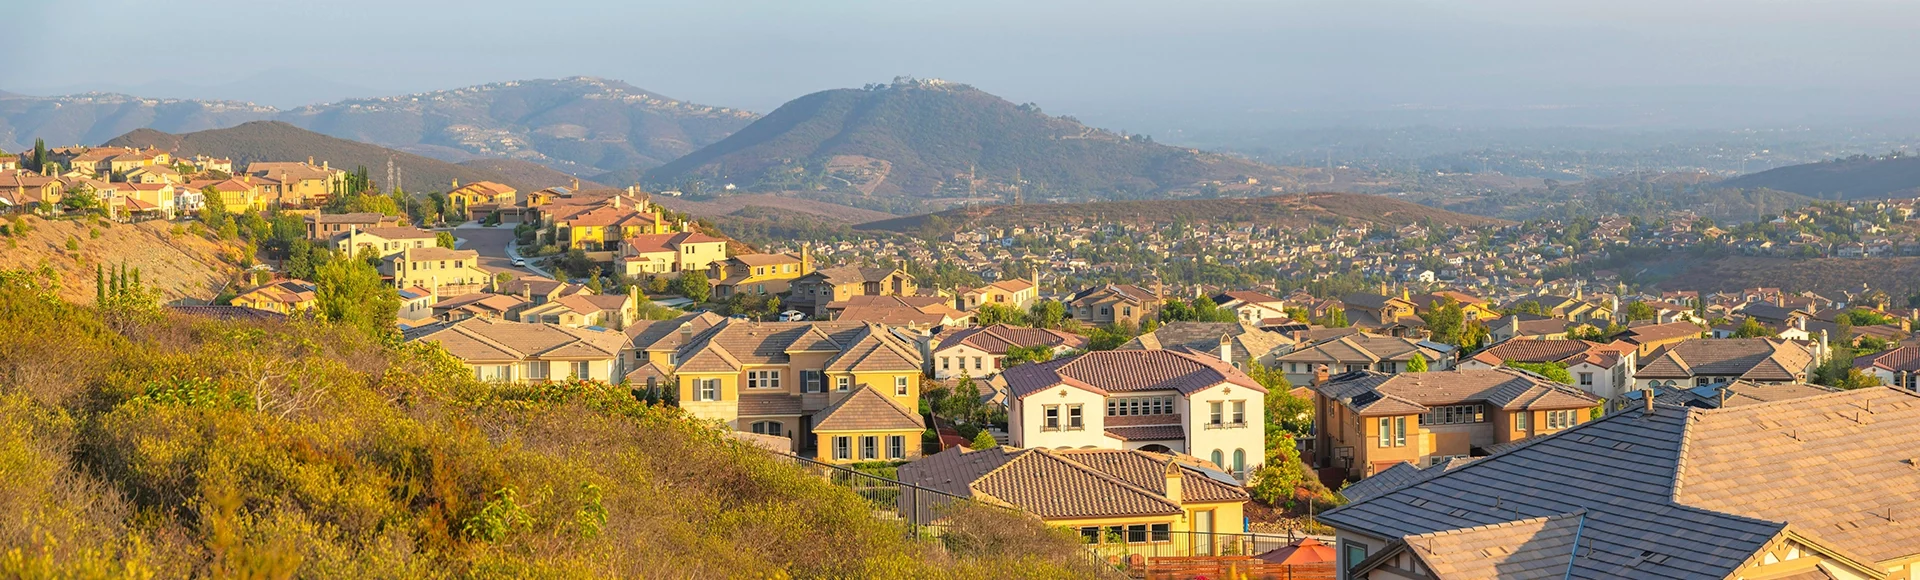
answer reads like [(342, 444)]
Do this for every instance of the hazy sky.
[(1155, 64)]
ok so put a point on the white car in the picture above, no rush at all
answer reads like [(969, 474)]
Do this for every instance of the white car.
[(792, 316), (520, 262)]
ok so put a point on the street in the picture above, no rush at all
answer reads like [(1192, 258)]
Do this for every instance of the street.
[(491, 244)]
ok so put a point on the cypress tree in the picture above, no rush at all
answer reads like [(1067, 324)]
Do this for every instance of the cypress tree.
[(99, 285)]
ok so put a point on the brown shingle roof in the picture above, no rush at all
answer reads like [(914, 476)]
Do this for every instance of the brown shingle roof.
[(1758, 359), (1048, 484), (488, 340), (770, 405), (1521, 549), (1372, 393), (1146, 432), (1534, 351), (1119, 371), (996, 339), (865, 409)]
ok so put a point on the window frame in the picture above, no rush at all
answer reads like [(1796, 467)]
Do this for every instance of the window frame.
[(763, 379), (1076, 418), (896, 447), (1049, 417), (900, 386), (842, 448), (869, 447), (1216, 413)]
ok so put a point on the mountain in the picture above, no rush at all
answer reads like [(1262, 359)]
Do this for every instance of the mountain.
[(1284, 210), (531, 175), (584, 126), (936, 140), (1857, 177), (581, 125), (91, 118), (276, 141)]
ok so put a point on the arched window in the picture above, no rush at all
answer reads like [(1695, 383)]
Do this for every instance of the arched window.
[(768, 427), (1218, 458), (1239, 462)]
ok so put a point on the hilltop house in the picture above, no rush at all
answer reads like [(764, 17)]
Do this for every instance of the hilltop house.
[(979, 351), (444, 272), (1668, 492), (1723, 360), (1603, 370), (517, 352), (1362, 352), (1112, 304), (1121, 497), (812, 292), (324, 226), (758, 273), (382, 241), (1234, 342), (1152, 400), (671, 254), (480, 199), (1016, 294), (299, 184), (1369, 421), (285, 297), (1381, 314)]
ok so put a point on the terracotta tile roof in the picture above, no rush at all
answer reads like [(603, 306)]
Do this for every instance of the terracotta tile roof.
[(1120, 371), (1536, 351), (1685, 493), (487, 340), (922, 311), (1148, 471), (284, 292), (650, 243), (728, 344), (487, 188), (1757, 359), (1650, 333), (996, 339), (852, 274), (542, 286), (1906, 358), (1371, 393), (1059, 485), (1146, 432), (480, 302), (229, 312), (865, 409), (766, 259), (770, 405)]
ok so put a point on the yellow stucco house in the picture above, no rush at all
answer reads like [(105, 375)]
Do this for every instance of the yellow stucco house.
[(671, 254), (1125, 501), (285, 297), (444, 272), (758, 273)]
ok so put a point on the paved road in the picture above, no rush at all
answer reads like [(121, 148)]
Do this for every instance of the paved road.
[(491, 243)]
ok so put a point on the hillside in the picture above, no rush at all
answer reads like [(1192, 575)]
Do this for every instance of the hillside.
[(91, 118), (1858, 177), (180, 266), (1288, 210), (938, 141), (1828, 276), (276, 141), (138, 445), (582, 125), (530, 175)]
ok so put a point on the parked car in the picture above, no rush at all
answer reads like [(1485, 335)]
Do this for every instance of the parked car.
[(520, 262), (792, 316)]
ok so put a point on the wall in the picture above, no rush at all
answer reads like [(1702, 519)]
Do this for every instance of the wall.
[(1032, 418), (1202, 440)]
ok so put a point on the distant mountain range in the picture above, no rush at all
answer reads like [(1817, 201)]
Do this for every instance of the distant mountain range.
[(277, 141), (1281, 210), (584, 126), (1859, 177), (931, 139)]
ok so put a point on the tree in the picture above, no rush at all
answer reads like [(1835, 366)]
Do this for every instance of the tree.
[(1641, 311), (1447, 321), (444, 240), (991, 314), (983, 440), (214, 211), (1336, 318), (1554, 371), (693, 285), (350, 292), (1047, 314), (1418, 364), (1019, 355), (1751, 328), (80, 199), (1528, 307), (39, 155), (593, 281)]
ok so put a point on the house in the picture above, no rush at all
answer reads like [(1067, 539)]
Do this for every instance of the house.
[(655, 344), (812, 292), (979, 351), (613, 311), (518, 352), (1647, 338), (236, 195), (1723, 360), (540, 289), (1153, 400), (1603, 370), (479, 199), (324, 226), (602, 229), (1127, 498), (21, 190), (1234, 342), (1520, 326), (1668, 492), (381, 241), (160, 198), (1112, 304), (1360, 352), (285, 297), (758, 273), (918, 312), (1472, 307), (300, 184), (476, 305), (444, 272), (416, 307), (1381, 313), (791, 378), (1369, 421), (1251, 307), (1016, 294), (1899, 367), (671, 254)]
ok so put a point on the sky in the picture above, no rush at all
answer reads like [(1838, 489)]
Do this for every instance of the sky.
[(1160, 65)]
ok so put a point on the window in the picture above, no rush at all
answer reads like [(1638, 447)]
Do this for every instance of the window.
[(537, 369), (1217, 415), (1073, 418), (896, 447), (843, 448), (709, 390), (1353, 552), (1137, 534), (1393, 431), (768, 427), (944, 363), (1522, 420), (1561, 419), (810, 382), (582, 369), (1160, 533), (1586, 379), (869, 447), (1239, 412), (1091, 534), (769, 379), (842, 384), (1052, 414), (977, 365), (1239, 463), (1219, 459), (900, 386), (1454, 415)]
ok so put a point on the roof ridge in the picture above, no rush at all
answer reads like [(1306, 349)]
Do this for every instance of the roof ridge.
[(1680, 459)]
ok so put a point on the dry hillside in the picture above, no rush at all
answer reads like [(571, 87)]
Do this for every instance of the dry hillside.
[(181, 266), (1287, 210)]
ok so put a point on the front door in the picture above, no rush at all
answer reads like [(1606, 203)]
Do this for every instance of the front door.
[(805, 441), (1203, 533)]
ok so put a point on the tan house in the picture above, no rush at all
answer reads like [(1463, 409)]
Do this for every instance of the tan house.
[(1707, 361), (1113, 304), (299, 184), (1370, 421), (1122, 501), (812, 292), (671, 254), (789, 378), (540, 290), (324, 226), (1670, 492), (1361, 352), (1393, 315), (517, 352), (1646, 338), (1252, 307), (1234, 342), (612, 311), (446, 273), (285, 297), (475, 305), (917, 312), (758, 273), (1015, 294), (19, 190), (980, 351), (383, 241), (479, 199)]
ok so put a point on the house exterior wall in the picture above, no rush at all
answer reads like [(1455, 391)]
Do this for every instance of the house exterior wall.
[(1203, 437), (825, 445), (1032, 417), (959, 360)]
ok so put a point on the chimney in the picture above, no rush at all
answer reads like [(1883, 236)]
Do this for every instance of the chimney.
[(1648, 395), (1226, 350), (806, 259), (1320, 375), (1174, 493), (309, 160), (1722, 391), (456, 183), (576, 184)]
